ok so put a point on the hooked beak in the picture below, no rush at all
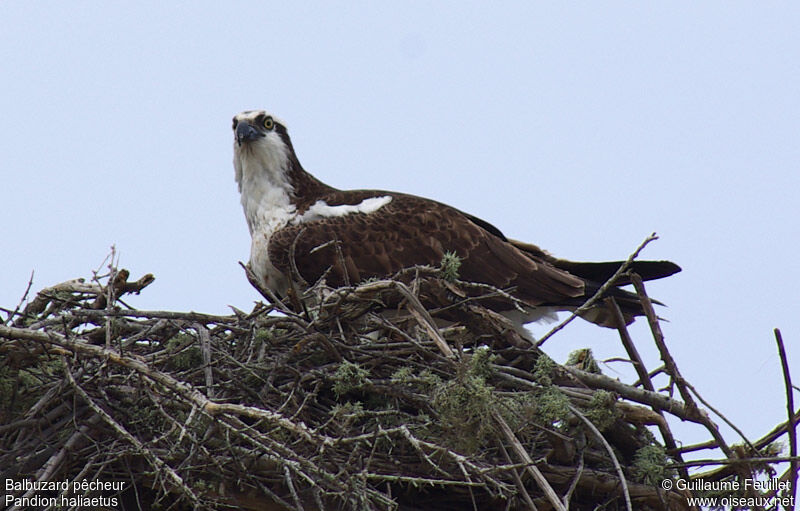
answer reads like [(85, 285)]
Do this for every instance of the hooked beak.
[(246, 133)]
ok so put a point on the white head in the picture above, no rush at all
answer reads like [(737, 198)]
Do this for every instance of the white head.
[(262, 159), (260, 146)]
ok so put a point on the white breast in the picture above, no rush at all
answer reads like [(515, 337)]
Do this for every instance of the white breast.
[(267, 274), (266, 199), (269, 219)]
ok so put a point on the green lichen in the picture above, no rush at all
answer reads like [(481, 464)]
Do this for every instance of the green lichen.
[(602, 410), (649, 465), (354, 408), (421, 382), (544, 369), (481, 362), (349, 377), (20, 389), (464, 406), (584, 360), (427, 377), (262, 335), (347, 413), (188, 358), (403, 375), (519, 410), (773, 449), (552, 407), (185, 355), (450, 265)]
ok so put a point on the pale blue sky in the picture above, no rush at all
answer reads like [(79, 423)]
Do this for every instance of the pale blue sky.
[(581, 127)]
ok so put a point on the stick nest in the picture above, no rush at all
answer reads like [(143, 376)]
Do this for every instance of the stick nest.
[(355, 399)]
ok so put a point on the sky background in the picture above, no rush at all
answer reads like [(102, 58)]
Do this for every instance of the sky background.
[(581, 127)]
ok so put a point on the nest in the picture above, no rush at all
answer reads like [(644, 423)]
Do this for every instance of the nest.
[(358, 398)]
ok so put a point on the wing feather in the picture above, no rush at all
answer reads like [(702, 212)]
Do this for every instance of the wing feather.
[(408, 231)]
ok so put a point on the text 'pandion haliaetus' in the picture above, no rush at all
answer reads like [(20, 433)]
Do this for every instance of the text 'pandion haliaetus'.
[(379, 233)]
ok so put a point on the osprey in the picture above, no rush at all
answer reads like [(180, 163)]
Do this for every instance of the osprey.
[(351, 235)]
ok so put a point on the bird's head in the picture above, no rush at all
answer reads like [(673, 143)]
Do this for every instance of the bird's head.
[(261, 148), (269, 176), (252, 125)]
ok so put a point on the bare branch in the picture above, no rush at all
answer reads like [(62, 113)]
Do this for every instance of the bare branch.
[(363, 401), (791, 425), (600, 292)]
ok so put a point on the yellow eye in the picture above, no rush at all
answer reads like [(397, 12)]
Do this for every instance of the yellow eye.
[(269, 123)]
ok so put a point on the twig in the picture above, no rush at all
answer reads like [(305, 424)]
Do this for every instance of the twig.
[(669, 363), (736, 461), (520, 451), (641, 371), (150, 314), (205, 349), (778, 431), (792, 422), (520, 485), (293, 261), (684, 387), (627, 342), (290, 484), (696, 447), (653, 399), (614, 460), (157, 462), (340, 257), (276, 431), (600, 292), (425, 319), (111, 292), (16, 310), (168, 381), (575, 481)]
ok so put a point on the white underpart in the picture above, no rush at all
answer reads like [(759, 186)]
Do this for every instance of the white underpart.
[(261, 167), (531, 314), (320, 209)]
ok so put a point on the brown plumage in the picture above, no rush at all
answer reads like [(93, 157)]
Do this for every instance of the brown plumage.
[(408, 231), (352, 235)]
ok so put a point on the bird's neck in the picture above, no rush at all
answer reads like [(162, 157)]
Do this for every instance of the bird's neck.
[(275, 189)]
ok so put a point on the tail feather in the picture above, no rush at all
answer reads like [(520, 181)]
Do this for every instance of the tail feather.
[(601, 272), (629, 305), (595, 274)]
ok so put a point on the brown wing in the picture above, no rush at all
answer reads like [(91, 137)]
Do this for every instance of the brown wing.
[(408, 231)]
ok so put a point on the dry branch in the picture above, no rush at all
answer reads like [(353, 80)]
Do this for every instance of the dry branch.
[(356, 398), (792, 420)]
